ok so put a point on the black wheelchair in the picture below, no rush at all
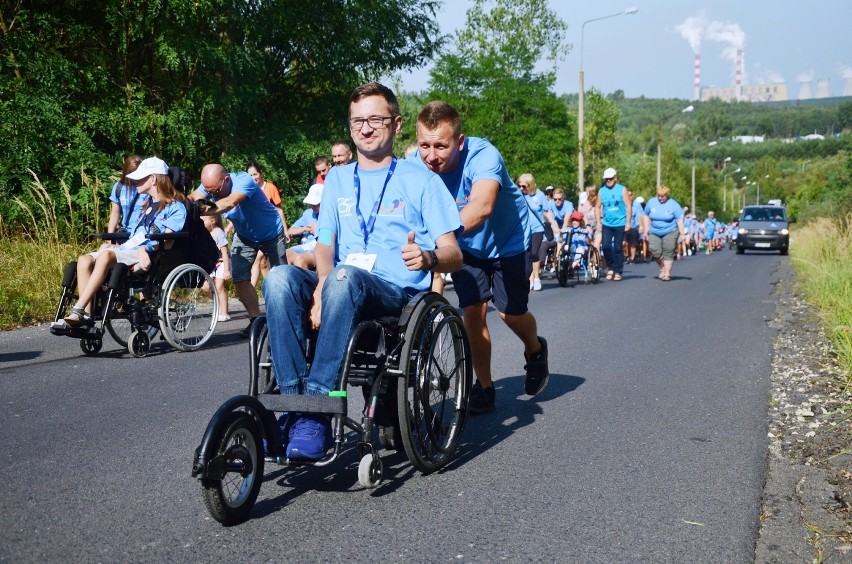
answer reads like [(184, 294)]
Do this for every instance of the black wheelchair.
[(415, 375), (134, 305), (589, 269)]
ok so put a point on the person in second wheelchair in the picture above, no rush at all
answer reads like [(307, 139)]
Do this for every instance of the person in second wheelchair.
[(164, 212), (383, 225), (578, 238)]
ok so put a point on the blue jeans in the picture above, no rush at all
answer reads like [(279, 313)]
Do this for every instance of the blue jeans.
[(612, 239), (349, 296)]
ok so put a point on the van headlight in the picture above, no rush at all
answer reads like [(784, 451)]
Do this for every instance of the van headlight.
[(785, 232), (742, 230)]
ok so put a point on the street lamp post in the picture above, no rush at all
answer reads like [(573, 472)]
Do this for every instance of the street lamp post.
[(725, 188), (660, 142), (581, 180), (710, 144)]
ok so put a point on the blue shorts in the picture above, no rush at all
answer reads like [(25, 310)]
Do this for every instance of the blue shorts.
[(505, 281)]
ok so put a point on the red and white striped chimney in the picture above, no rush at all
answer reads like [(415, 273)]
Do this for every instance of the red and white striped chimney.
[(696, 85), (738, 92)]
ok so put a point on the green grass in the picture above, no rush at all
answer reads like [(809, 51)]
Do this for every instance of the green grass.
[(822, 256)]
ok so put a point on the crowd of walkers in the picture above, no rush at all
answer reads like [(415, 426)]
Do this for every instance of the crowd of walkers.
[(397, 225)]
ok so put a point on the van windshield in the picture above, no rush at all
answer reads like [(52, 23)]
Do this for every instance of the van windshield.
[(764, 214)]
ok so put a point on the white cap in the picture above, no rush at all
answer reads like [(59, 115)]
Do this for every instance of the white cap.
[(640, 199), (609, 173), (151, 165), (314, 196)]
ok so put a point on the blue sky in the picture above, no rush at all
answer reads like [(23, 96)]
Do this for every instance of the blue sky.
[(645, 54)]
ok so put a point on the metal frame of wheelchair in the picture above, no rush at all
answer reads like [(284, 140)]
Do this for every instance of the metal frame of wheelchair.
[(134, 306), (415, 374), (589, 270)]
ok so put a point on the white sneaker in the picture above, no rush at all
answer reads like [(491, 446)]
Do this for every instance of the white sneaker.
[(536, 285)]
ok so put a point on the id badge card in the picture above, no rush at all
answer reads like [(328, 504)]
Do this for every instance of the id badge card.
[(133, 242), (364, 261)]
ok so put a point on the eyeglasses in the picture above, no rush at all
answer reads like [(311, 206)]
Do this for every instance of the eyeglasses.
[(609, 179), (218, 188), (376, 122), (558, 199), (523, 186)]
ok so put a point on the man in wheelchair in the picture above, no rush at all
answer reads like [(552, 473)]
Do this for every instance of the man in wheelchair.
[(164, 212), (383, 225)]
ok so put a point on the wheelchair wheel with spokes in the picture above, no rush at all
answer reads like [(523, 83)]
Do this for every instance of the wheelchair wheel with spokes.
[(433, 397), (230, 495), (187, 313), (593, 264), (265, 375)]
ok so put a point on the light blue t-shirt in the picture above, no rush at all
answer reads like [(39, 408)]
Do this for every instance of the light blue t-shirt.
[(663, 215), (710, 228), (170, 218), (307, 218), (559, 213), (506, 232), (414, 200), (255, 219), (637, 211), (125, 196), (613, 209), (536, 203)]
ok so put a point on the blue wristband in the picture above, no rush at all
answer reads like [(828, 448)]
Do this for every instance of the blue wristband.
[(149, 247)]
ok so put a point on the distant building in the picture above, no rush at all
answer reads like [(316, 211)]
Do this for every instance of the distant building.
[(744, 139), (774, 92)]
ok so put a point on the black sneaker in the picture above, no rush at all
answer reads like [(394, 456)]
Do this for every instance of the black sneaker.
[(481, 399), (247, 331), (537, 371)]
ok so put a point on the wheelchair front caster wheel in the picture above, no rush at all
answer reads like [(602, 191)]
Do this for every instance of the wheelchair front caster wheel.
[(91, 346), (370, 471), (139, 343)]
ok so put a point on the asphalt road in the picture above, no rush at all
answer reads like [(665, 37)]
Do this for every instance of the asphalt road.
[(649, 443)]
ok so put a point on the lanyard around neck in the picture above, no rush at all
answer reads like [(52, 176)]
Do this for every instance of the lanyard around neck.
[(368, 225)]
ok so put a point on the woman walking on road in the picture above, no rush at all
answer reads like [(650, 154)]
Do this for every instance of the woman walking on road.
[(663, 220), (611, 212)]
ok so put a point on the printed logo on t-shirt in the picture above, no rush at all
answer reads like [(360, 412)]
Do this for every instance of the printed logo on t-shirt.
[(392, 207), (345, 205)]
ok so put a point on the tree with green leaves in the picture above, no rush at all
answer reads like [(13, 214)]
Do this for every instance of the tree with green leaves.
[(82, 83), (492, 76)]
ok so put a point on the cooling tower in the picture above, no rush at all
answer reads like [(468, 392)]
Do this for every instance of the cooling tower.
[(823, 89), (847, 86), (805, 90), (696, 85)]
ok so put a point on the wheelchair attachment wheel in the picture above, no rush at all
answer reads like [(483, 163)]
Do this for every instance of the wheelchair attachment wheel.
[(230, 495), (91, 345), (187, 313), (370, 471), (139, 344), (433, 398)]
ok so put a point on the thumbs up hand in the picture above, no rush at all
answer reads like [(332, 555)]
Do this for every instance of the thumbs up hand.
[(412, 254)]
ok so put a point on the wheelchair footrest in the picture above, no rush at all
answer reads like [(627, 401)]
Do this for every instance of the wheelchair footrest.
[(303, 404)]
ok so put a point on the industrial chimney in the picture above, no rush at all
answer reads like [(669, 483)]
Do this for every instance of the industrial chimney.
[(696, 85), (805, 90), (738, 91), (823, 88)]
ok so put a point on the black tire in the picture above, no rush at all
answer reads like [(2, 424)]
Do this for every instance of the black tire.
[(139, 344), (188, 314), (783, 252), (562, 268), (230, 499), (433, 399), (740, 251), (91, 346)]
